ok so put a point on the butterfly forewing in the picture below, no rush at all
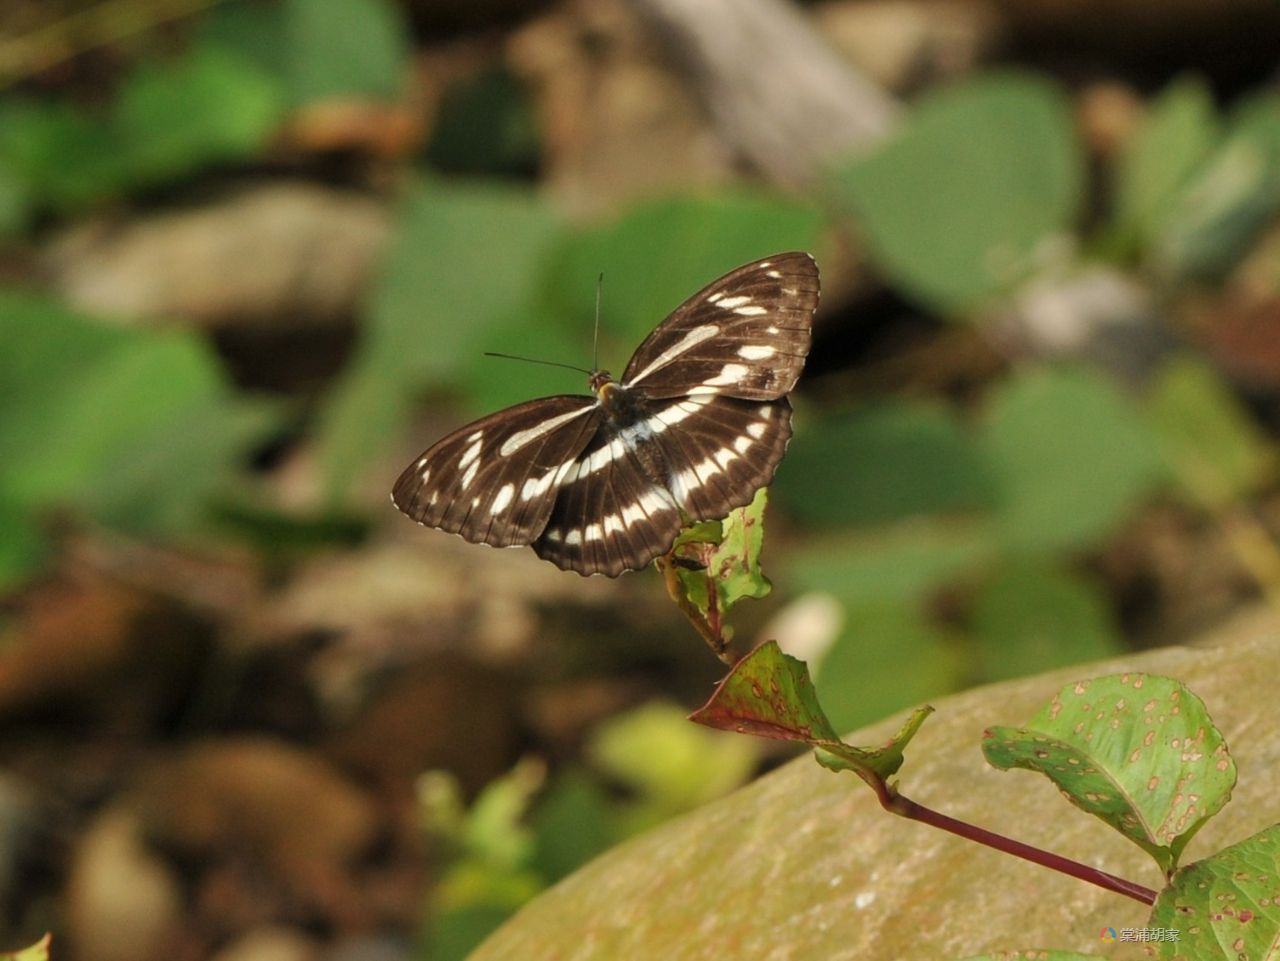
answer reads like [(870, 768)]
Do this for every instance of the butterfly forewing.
[(495, 480), (602, 485), (745, 335)]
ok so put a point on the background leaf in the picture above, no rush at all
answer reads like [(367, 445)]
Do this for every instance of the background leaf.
[(1070, 455), (1029, 617), (428, 316), (889, 462), (1179, 132), (1213, 448), (344, 48), (954, 234)]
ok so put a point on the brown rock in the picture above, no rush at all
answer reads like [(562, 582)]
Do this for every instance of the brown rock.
[(281, 802), (123, 902), (280, 255), (270, 943)]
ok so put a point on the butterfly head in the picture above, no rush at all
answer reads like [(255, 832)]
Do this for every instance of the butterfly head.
[(600, 381)]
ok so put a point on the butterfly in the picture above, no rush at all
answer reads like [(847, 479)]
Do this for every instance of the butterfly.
[(603, 484)]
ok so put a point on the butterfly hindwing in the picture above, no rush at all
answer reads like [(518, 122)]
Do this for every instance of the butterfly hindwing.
[(494, 481), (714, 453), (745, 335), (609, 516)]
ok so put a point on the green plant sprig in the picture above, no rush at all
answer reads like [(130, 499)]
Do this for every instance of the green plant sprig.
[(1138, 751)]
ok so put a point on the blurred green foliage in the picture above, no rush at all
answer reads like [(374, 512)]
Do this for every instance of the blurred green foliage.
[(524, 832), (131, 428), (964, 203), (896, 504)]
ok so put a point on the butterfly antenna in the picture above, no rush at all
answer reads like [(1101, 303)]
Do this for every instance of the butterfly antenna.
[(595, 337), (534, 360)]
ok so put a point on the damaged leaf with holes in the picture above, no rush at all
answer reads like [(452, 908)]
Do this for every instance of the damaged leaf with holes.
[(724, 560), (770, 694), (1138, 751)]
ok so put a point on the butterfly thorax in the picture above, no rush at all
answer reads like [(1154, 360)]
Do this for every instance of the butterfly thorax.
[(620, 404)]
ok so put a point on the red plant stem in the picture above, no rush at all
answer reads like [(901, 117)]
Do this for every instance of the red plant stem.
[(907, 808)]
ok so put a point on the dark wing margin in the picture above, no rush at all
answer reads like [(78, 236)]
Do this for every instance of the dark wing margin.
[(745, 335), (495, 480)]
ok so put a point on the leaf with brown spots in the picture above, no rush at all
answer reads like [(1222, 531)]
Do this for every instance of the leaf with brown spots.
[(1137, 750), (1226, 906)]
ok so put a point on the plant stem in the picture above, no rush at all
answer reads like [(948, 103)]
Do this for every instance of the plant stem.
[(901, 805), (712, 634)]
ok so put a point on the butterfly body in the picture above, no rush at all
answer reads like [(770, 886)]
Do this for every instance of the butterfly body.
[(604, 483)]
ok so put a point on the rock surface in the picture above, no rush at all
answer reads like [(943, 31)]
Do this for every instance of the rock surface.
[(803, 864)]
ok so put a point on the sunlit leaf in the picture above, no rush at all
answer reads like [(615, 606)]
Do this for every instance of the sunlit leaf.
[(1179, 132), (1138, 751), (210, 107), (1216, 452)]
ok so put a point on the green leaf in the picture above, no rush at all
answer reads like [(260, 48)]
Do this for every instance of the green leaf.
[(897, 564), (1215, 450), (729, 552), (433, 310), (163, 482), (768, 694), (63, 156), (135, 427), (1138, 751), (573, 823), (16, 200), (896, 460), (1225, 905), (255, 32), (507, 141), (1229, 201), (22, 548), (1029, 618), (453, 933), (126, 395), (1070, 455), (961, 205), (36, 952), (211, 107), (1179, 132), (343, 48), (661, 253)]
